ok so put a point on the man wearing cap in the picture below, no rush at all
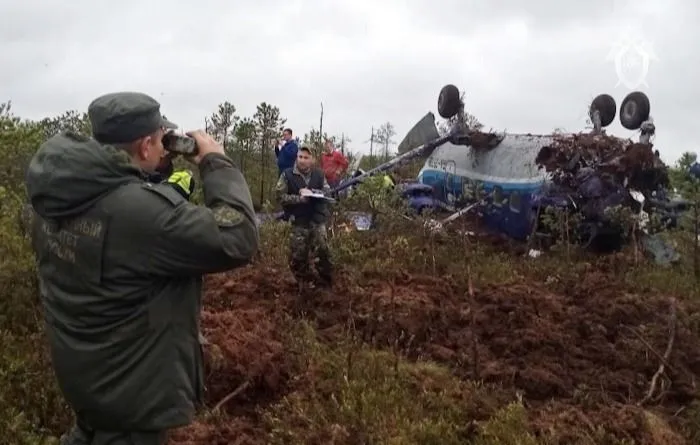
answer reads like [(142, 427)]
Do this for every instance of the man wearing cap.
[(120, 263), (309, 216), (181, 180)]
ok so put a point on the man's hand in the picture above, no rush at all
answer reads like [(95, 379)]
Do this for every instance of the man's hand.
[(205, 145), (305, 192)]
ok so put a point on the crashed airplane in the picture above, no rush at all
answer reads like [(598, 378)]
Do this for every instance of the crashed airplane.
[(511, 180)]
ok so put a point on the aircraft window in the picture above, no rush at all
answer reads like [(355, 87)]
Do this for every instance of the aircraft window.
[(515, 201), (498, 196), (467, 189)]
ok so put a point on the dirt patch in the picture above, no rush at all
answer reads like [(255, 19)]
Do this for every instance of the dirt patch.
[(245, 352), (245, 332), (227, 431), (245, 347), (546, 344), (591, 348), (581, 353), (577, 149), (484, 141)]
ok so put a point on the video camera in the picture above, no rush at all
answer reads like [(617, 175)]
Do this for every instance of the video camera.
[(179, 144)]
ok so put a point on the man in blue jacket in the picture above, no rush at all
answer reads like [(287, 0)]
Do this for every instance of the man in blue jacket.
[(694, 170), (287, 153)]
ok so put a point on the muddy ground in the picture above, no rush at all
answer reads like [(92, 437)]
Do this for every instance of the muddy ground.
[(583, 353)]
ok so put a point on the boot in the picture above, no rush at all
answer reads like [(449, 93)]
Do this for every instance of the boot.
[(325, 281)]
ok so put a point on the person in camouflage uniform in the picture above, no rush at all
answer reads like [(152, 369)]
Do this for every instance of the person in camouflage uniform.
[(120, 261), (308, 216)]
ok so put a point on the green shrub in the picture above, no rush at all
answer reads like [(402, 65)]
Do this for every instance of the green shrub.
[(354, 394), (347, 391)]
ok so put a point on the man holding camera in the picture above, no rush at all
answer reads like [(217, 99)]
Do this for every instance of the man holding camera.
[(286, 151), (120, 263), (309, 218)]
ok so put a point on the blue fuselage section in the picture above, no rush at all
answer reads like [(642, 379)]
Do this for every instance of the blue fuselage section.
[(505, 177)]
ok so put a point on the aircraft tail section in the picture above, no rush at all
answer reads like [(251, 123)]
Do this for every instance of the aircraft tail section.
[(424, 131)]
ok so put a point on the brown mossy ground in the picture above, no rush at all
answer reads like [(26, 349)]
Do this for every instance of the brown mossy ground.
[(425, 339), (446, 340)]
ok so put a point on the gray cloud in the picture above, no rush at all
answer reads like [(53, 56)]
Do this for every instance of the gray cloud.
[(526, 67)]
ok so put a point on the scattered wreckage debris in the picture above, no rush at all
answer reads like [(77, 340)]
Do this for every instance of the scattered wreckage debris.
[(616, 161), (597, 177), (605, 187), (591, 179), (621, 161), (593, 175)]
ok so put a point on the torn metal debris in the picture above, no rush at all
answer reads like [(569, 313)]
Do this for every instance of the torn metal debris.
[(595, 176)]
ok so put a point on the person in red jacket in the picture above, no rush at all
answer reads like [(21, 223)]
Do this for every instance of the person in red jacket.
[(334, 164)]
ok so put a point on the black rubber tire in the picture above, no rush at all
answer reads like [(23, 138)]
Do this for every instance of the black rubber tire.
[(606, 106), (634, 110), (449, 102)]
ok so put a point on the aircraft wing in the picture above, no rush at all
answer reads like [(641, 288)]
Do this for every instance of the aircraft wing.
[(424, 131)]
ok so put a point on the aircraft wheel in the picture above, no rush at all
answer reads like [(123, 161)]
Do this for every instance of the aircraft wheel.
[(449, 101), (634, 110), (606, 106)]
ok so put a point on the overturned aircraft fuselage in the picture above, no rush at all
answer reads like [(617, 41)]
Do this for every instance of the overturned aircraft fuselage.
[(521, 178)]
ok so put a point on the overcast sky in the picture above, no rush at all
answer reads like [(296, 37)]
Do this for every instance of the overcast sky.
[(527, 66)]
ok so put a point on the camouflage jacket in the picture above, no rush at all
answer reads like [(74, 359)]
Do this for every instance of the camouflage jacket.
[(289, 184)]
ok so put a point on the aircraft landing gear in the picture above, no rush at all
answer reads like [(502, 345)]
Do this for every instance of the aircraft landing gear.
[(449, 101)]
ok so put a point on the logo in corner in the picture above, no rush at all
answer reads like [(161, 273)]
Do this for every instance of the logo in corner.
[(632, 56)]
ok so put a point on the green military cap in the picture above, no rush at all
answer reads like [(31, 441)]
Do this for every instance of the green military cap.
[(125, 117)]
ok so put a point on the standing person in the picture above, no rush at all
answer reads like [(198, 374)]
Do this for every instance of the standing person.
[(120, 261), (694, 170), (334, 164), (309, 218), (286, 151)]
